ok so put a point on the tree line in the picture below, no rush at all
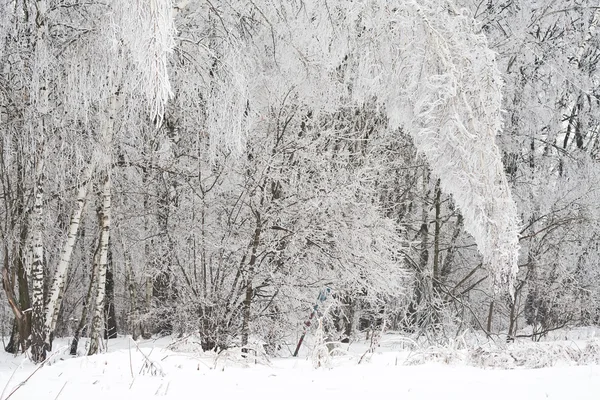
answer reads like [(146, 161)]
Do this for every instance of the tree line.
[(211, 168)]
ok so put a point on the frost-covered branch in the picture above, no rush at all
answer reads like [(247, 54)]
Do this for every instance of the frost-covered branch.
[(148, 30), (456, 117)]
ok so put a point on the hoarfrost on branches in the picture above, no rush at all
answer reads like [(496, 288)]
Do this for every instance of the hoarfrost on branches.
[(430, 74), (148, 31), (454, 122)]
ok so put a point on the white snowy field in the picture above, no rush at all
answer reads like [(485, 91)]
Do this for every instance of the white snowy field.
[(124, 372)]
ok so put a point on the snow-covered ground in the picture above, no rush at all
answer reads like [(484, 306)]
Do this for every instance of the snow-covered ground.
[(157, 370)]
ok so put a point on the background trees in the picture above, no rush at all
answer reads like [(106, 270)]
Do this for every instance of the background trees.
[(285, 162)]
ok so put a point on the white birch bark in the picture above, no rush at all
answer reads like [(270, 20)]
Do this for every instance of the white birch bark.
[(98, 321), (56, 291), (106, 140), (38, 349), (40, 113)]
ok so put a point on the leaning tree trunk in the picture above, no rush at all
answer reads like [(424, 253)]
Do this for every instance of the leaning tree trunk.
[(87, 305), (98, 321), (56, 291)]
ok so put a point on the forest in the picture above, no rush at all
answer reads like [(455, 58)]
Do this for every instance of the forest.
[(231, 168)]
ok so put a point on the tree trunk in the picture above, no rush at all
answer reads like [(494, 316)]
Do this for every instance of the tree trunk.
[(38, 342), (148, 279), (13, 342), (98, 321), (249, 289), (87, 304), (58, 284), (20, 332), (413, 315), (134, 314), (489, 318), (436, 238), (109, 308), (22, 323), (449, 259)]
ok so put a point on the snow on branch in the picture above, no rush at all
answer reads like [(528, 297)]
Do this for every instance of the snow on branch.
[(456, 114), (420, 60), (437, 80), (5, 20), (148, 30)]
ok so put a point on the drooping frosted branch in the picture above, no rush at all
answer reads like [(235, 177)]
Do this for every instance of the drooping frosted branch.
[(148, 30), (456, 116)]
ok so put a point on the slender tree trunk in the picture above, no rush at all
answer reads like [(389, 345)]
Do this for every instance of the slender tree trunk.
[(109, 307), (87, 304), (423, 281), (134, 312), (38, 343), (489, 318), (449, 259), (148, 278), (24, 295), (58, 284), (246, 313), (17, 337), (14, 341), (22, 322), (436, 237), (106, 142), (98, 321), (40, 49)]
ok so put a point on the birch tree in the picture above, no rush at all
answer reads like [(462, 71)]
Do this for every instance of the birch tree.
[(56, 291), (100, 279)]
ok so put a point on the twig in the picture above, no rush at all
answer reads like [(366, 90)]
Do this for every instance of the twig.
[(374, 341), (543, 332), (10, 379), (21, 384), (61, 389), (149, 364), (130, 363)]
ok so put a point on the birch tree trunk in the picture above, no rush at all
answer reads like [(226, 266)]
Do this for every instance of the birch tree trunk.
[(105, 218), (87, 305), (56, 291), (38, 345), (109, 304), (98, 321), (41, 111)]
